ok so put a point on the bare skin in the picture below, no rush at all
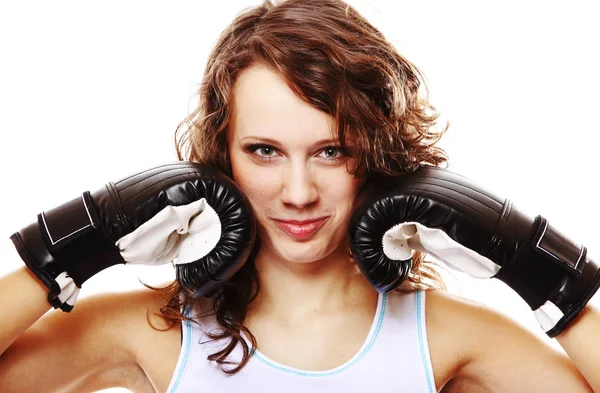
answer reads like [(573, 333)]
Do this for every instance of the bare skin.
[(487, 351)]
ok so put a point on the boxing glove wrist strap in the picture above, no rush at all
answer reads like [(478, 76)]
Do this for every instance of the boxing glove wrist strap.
[(64, 233), (553, 275)]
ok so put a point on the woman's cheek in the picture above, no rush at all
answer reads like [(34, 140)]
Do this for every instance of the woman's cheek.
[(259, 183)]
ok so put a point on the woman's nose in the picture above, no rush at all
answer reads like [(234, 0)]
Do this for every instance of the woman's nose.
[(299, 186)]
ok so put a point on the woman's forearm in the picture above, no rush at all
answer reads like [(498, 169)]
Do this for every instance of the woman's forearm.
[(23, 300), (581, 342)]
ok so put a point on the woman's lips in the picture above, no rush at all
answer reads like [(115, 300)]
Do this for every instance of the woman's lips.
[(301, 229)]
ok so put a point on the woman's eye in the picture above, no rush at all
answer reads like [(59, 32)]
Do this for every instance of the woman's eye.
[(262, 151), (332, 152), (265, 151)]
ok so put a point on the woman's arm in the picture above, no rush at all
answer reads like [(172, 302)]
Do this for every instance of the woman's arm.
[(67, 352), (22, 302), (580, 341), (92, 348)]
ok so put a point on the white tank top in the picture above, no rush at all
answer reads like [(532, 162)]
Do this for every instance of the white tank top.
[(393, 358)]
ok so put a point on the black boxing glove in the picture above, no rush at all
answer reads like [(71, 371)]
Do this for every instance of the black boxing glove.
[(185, 213), (471, 230)]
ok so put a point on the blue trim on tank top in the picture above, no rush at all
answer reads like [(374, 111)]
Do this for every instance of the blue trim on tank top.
[(420, 332), (335, 371), (187, 342)]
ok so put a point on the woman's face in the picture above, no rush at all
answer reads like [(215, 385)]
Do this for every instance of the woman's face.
[(285, 156)]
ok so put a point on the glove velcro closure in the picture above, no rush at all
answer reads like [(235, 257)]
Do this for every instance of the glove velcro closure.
[(67, 223), (71, 231), (559, 248)]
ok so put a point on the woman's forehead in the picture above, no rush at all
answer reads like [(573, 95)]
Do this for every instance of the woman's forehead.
[(265, 106)]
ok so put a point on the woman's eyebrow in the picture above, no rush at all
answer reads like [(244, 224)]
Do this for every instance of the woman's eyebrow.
[(265, 139), (260, 138)]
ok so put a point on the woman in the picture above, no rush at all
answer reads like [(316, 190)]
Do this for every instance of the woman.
[(275, 115)]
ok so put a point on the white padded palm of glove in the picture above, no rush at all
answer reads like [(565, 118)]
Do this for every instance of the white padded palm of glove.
[(179, 234)]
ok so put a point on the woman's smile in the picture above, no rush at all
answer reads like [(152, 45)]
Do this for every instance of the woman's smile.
[(301, 229)]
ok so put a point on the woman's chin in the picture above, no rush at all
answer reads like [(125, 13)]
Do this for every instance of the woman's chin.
[(299, 252), (287, 249), (301, 257)]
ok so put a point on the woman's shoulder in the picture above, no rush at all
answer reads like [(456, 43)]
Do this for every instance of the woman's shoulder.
[(462, 319), (473, 344), (457, 327), (443, 306)]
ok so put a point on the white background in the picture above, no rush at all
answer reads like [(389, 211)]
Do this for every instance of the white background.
[(92, 91)]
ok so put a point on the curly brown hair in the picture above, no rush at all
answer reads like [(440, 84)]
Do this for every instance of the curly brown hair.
[(335, 60)]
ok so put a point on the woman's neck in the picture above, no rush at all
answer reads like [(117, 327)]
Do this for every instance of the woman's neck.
[(302, 288)]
